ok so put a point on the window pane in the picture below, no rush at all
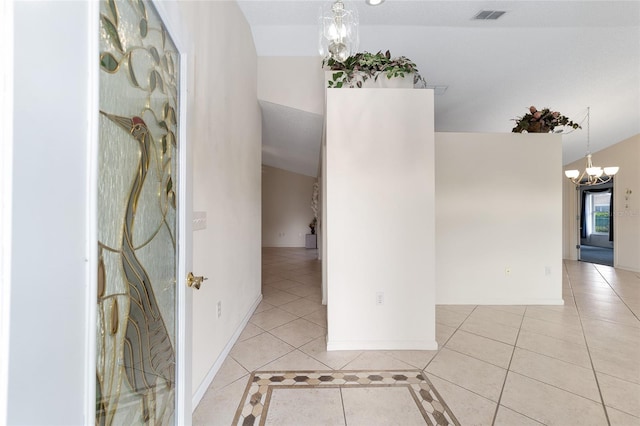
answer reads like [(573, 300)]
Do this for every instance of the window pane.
[(601, 203)]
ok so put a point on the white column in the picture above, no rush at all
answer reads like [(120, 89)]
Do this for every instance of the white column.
[(380, 226)]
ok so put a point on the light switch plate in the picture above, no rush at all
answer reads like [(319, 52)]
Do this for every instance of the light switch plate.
[(199, 221)]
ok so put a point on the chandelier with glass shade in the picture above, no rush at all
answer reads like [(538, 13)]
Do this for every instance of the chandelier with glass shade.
[(591, 175), (338, 31)]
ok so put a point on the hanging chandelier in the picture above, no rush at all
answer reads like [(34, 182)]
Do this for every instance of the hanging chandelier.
[(338, 31), (592, 175)]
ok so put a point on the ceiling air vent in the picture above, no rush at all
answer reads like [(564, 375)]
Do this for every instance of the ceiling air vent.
[(485, 15)]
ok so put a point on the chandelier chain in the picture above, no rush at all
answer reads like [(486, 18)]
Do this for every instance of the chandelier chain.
[(588, 130), (591, 175)]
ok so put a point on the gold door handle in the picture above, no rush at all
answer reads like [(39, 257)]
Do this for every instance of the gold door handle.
[(193, 281)]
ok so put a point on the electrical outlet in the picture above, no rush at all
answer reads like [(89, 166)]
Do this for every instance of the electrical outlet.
[(547, 270), (219, 309), (507, 271), (380, 298)]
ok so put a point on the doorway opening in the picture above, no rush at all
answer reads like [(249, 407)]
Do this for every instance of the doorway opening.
[(596, 225)]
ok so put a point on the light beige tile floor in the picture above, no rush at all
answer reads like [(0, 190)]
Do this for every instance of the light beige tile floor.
[(577, 364)]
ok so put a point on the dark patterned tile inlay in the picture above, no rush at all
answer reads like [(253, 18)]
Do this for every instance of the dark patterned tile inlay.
[(255, 401)]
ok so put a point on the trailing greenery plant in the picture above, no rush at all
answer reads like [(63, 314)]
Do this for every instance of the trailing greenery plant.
[(358, 68), (542, 121)]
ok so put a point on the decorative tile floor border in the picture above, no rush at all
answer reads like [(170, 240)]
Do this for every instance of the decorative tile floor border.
[(257, 395)]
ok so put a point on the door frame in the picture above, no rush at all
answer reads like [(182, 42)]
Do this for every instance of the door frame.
[(184, 295), (6, 190), (183, 409), (579, 211)]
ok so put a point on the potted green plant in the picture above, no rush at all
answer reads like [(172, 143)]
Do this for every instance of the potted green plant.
[(542, 121), (357, 69)]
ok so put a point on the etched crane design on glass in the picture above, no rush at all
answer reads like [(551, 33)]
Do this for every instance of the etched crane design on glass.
[(148, 355)]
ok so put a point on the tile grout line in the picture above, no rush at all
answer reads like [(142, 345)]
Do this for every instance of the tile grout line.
[(278, 338), (478, 335), (551, 356), (555, 338), (476, 358), (424, 370), (488, 338), (548, 321), (295, 348), (244, 379), (584, 336), (523, 375), (469, 390), (616, 293), (344, 412), (559, 388), (495, 414)]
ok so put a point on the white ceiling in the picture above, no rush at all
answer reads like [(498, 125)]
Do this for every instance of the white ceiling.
[(291, 138), (565, 55)]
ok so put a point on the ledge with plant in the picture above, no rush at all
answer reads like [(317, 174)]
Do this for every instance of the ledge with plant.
[(358, 68), (544, 121)]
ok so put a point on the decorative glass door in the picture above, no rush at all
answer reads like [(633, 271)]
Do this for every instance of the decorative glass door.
[(137, 271)]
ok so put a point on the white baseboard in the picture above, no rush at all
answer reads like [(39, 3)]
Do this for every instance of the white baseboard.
[(284, 245), (382, 345), (202, 389), (627, 268), (489, 301)]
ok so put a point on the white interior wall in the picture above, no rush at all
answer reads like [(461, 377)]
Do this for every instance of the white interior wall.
[(379, 219), (498, 218), (225, 132), (626, 155), (53, 112), (296, 82), (286, 207), (52, 122)]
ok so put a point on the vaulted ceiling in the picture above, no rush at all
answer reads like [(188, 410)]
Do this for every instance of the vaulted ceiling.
[(565, 55)]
